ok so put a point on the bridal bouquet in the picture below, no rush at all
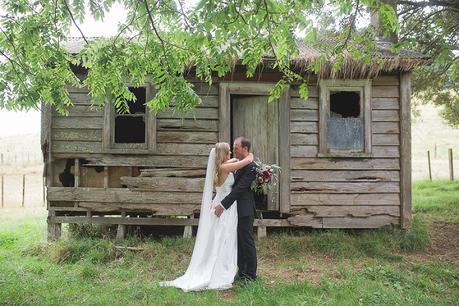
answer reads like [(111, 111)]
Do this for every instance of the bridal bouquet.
[(266, 177)]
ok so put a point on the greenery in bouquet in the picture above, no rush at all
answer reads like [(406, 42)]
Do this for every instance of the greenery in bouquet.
[(266, 177)]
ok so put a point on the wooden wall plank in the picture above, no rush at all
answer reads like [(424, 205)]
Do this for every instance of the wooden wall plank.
[(80, 98), (206, 101), (166, 209), (175, 184), (385, 127), (162, 161), (385, 103), (304, 139), (345, 164), (306, 199), (348, 211), (183, 149), (344, 175), (304, 115), (385, 151), (59, 146), (187, 124), (389, 91), (303, 151), (187, 137), (77, 123), (197, 113), (298, 103), (386, 139), (155, 209), (82, 111), (77, 135), (162, 148), (72, 89), (304, 127), (121, 195), (345, 187), (385, 115), (368, 222)]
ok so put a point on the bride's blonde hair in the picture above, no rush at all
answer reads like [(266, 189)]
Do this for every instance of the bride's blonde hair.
[(221, 151)]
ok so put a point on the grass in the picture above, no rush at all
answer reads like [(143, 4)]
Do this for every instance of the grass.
[(326, 267)]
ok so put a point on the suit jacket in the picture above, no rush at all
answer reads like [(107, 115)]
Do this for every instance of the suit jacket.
[(242, 193)]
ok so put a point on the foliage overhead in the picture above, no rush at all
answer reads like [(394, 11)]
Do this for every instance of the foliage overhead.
[(162, 41)]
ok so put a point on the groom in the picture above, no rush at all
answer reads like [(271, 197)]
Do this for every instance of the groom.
[(241, 192)]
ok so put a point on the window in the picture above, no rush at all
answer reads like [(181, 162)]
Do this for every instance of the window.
[(345, 118), (133, 132)]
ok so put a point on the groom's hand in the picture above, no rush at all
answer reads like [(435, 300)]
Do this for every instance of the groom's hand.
[(219, 210)]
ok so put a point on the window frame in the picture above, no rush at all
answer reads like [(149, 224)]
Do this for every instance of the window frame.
[(108, 137), (328, 86)]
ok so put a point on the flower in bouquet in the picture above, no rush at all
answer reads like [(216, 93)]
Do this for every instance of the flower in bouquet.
[(266, 177)]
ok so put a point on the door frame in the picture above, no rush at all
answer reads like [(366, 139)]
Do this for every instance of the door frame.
[(226, 89)]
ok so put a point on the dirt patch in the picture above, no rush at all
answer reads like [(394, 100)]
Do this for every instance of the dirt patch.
[(444, 245)]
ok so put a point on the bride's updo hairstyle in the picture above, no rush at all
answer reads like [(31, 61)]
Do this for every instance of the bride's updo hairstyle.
[(221, 151)]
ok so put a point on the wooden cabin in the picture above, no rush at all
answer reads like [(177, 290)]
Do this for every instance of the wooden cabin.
[(345, 153)]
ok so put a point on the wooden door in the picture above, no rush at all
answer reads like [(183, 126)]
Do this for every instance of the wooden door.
[(256, 119)]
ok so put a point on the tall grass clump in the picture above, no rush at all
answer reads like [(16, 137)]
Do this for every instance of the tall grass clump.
[(415, 239)]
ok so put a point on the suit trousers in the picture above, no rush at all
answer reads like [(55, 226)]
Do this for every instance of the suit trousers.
[(246, 252)]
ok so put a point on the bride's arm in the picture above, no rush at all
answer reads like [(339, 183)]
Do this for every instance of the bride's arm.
[(237, 165)]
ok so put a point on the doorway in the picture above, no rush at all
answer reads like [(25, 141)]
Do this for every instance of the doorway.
[(253, 117)]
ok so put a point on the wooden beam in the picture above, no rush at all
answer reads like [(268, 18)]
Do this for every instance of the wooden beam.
[(161, 221), (405, 147), (284, 153), (121, 195), (224, 114)]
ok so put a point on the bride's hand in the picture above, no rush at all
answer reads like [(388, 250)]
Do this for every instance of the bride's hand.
[(250, 157)]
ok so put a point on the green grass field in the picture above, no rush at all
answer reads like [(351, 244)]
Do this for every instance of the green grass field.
[(326, 267)]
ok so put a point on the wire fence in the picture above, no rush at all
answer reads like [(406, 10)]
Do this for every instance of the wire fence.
[(26, 190), (20, 158)]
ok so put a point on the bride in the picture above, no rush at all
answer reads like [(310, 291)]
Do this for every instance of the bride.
[(213, 264)]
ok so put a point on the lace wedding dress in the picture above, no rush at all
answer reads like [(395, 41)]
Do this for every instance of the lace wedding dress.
[(213, 264)]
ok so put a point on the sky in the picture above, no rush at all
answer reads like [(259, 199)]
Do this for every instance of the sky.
[(20, 123)]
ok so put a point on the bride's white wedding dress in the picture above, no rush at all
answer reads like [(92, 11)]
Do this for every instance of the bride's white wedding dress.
[(213, 264)]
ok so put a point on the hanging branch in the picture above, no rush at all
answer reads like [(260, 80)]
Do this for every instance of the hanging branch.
[(74, 21)]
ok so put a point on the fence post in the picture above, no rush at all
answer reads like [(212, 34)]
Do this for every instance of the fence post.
[(2, 189), (428, 161), (1, 159), (23, 190), (451, 169)]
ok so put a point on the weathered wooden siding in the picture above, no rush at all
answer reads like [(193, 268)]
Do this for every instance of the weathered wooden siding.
[(324, 192), (183, 141), (340, 192)]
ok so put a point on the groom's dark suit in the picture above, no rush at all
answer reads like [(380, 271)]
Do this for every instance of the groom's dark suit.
[(242, 193)]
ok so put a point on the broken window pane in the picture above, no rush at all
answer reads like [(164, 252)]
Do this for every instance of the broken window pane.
[(345, 125)]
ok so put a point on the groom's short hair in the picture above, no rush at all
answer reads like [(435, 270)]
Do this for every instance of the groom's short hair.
[(245, 143)]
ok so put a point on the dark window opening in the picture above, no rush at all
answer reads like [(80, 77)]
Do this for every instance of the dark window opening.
[(67, 178), (130, 127), (344, 104), (138, 107)]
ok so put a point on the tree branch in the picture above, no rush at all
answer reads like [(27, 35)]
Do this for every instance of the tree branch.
[(74, 22)]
